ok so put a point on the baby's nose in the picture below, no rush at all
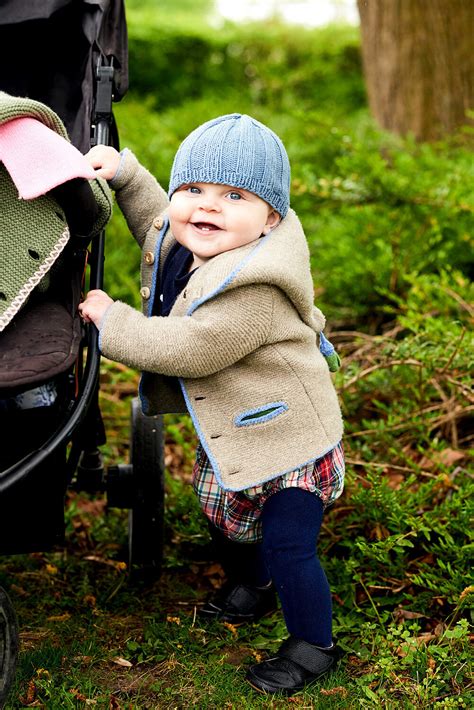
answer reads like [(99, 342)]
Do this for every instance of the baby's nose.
[(209, 203)]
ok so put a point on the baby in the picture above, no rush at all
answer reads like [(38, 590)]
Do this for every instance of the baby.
[(229, 333)]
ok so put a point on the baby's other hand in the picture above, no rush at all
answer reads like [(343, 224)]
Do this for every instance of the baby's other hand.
[(104, 159), (93, 308)]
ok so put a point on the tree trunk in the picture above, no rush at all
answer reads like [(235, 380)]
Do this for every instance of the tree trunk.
[(418, 60)]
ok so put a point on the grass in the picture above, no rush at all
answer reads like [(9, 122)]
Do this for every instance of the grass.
[(88, 638), (91, 637)]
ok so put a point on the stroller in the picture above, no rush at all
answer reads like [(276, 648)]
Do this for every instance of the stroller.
[(49, 361)]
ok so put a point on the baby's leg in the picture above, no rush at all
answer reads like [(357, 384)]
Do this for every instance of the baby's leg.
[(242, 562), (291, 522), (248, 593)]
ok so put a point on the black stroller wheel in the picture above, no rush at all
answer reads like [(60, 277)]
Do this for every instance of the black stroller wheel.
[(145, 526), (8, 645)]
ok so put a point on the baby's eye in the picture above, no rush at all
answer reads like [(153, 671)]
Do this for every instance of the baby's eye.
[(235, 196), (194, 190)]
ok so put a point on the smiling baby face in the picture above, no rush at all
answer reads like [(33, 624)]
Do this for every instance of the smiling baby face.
[(210, 219)]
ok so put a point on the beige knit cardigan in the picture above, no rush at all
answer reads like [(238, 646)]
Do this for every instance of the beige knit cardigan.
[(242, 339)]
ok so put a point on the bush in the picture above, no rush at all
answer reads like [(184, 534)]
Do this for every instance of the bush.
[(409, 410), (275, 68)]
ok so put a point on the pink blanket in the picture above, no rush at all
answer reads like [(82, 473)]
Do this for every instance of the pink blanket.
[(39, 159)]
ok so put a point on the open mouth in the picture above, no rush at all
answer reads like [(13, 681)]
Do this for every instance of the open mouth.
[(205, 226)]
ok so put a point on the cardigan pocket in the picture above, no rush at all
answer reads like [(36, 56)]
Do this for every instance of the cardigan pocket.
[(261, 414)]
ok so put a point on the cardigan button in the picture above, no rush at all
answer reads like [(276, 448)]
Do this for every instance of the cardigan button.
[(149, 257), (145, 293), (158, 223)]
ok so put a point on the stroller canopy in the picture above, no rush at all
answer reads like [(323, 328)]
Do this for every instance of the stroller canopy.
[(50, 49)]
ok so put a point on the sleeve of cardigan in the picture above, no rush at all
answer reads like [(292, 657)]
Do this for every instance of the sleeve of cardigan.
[(215, 336), (139, 195)]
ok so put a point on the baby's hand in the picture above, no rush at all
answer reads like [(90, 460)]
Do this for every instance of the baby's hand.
[(93, 308), (104, 159)]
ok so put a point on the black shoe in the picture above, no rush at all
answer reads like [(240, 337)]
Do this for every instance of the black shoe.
[(240, 604), (296, 665)]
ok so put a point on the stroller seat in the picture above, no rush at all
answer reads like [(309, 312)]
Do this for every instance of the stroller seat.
[(42, 342)]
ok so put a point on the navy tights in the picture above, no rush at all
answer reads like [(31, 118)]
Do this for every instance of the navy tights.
[(291, 520)]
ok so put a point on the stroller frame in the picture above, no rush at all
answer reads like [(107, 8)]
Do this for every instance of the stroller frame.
[(23, 468), (139, 485)]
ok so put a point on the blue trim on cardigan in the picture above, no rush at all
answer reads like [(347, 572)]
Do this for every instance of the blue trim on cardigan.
[(200, 433), (325, 345), (123, 153), (251, 416), (159, 244), (229, 278)]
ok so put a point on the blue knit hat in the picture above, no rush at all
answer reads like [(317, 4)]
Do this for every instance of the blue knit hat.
[(239, 151)]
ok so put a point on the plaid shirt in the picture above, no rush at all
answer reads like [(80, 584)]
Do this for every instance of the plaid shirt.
[(237, 513)]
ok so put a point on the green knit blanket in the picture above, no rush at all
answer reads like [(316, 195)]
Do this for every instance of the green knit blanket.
[(33, 233)]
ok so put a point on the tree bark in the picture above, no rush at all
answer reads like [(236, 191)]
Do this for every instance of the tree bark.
[(418, 58)]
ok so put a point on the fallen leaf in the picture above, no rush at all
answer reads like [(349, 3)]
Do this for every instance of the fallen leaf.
[(122, 662), (402, 651), (450, 456), (466, 591), (427, 559), (401, 614), (231, 627), (60, 617), (119, 566), (426, 464), (90, 600), (338, 690), (30, 695), (395, 480), (78, 695), (214, 569)]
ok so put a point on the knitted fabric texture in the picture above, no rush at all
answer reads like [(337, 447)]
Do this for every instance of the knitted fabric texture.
[(239, 151), (31, 239), (33, 233)]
